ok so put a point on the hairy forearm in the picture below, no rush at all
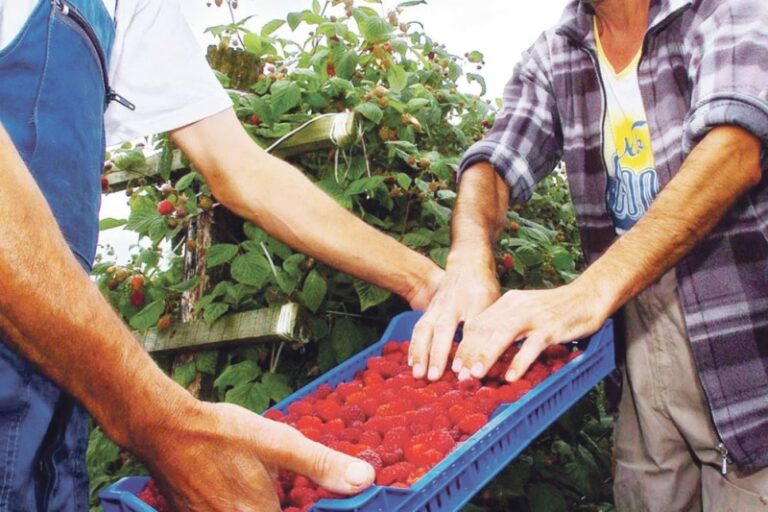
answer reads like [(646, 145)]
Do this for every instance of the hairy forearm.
[(54, 316), (479, 215), (280, 199), (724, 166)]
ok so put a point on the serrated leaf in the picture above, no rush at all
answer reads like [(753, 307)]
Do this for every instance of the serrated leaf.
[(374, 29), (206, 361), (186, 285), (370, 295), (397, 78), (110, 223), (416, 240), (403, 180), (475, 57), (249, 395), (346, 339), (275, 386), (474, 77), (214, 311), (254, 232), (313, 292), (562, 259), (251, 268), (130, 160), (101, 450), (346, 65), (219, 254), (285, 96), (237, 374), (185, 181), (293, 19), (148, 316), (439, 256), (416, 104), (271, 26), (364, 185), (185, 374), (370, 111)]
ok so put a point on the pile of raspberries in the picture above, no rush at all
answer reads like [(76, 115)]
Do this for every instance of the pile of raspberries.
[(401, 426)]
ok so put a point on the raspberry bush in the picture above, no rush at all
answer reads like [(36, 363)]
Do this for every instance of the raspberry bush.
[(414, 120)]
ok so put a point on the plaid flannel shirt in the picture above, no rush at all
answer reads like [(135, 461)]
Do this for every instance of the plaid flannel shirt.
[(704, 63)]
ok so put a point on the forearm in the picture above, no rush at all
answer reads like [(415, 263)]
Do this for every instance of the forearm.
[(280, 199), (55, 317), (724, 166), (479, 216)]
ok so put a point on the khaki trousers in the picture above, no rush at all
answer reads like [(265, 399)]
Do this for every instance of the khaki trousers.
[(665, 442)]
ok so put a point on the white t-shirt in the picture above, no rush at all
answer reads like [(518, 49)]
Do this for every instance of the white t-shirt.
[(629, 160), (156, 64)]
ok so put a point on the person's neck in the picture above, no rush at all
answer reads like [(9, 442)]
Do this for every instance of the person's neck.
[(622, 16)]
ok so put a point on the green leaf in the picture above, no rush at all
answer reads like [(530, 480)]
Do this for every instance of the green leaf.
[(314, 290), (249, 395), (294, 19), (346, 65), (110, 223), (411, 3), (186, 285), (546, 498), (186, 181), (562, 259), (148, 317), (185, 374), (416, 240), (371, 111), (285, 96), (364, 185), (475, 57), (369, 294), (275, 386), (439, 256), (214, 311), (101, 450), (219, 254), (474, 77), (374, 28), (271, 26), (130, 160), (206, 361), (251, 268), (254, 232), (417, 104), (397, 78), (403, 180), (237, 374), (346, 339)]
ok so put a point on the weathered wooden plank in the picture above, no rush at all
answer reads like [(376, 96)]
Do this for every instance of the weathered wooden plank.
[(258, 326)]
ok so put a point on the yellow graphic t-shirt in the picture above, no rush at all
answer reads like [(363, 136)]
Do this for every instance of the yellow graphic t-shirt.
[(632, 180)]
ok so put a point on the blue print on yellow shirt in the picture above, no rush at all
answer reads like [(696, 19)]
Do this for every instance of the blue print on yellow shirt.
[(632, 180)]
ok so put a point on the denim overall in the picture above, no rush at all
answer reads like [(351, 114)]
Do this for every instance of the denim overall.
[(53, 92)]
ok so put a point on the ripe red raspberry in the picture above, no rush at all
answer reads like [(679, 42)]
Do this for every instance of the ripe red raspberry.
[(309, 421), (369, 406), (424, 396), (508, 261), (350, 434), (457, 413), (372, 458), (352, 413), (104, 184), (345, 389), (395, 473), (152, 496), (394, 408), (274, 415), (302, 481), (391, 347), (327, 409), (451, 398), (557, 366), (137, 298), (537, 373), (383, 366), (390, 454), (372, 378), (323, 494), (496, 371), (382, 424), (472, 423), (370, 438), (312, 433), (165, 207), (301, 408), (137, 282), (439, 388), (423, 456), (440, 440), (485, 405), (470, 385), (573, 355), (334, 426), (441, 422), (301, 496), (399, 436), (513, 391), (322, 392), (419, 428)]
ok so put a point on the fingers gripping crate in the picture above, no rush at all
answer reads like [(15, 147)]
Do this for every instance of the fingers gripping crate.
[(465, 471)]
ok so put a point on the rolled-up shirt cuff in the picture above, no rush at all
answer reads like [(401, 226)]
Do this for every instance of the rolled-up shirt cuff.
[(742, 110), (510, 165)]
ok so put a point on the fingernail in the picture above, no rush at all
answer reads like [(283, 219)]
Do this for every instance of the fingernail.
[(464, 374), (477, 370), (358, 473), (433, 373), (511, 375), (457, 365), (418, 371), (410, 360)]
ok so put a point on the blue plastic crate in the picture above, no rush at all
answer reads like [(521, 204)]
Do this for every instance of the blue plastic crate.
[(452, 483)]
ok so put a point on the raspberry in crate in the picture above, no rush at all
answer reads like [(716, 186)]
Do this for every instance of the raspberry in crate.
[(401, 426)]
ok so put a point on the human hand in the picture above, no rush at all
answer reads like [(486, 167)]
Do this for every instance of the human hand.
[(465, 291), (224, 458), (541, 317)]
